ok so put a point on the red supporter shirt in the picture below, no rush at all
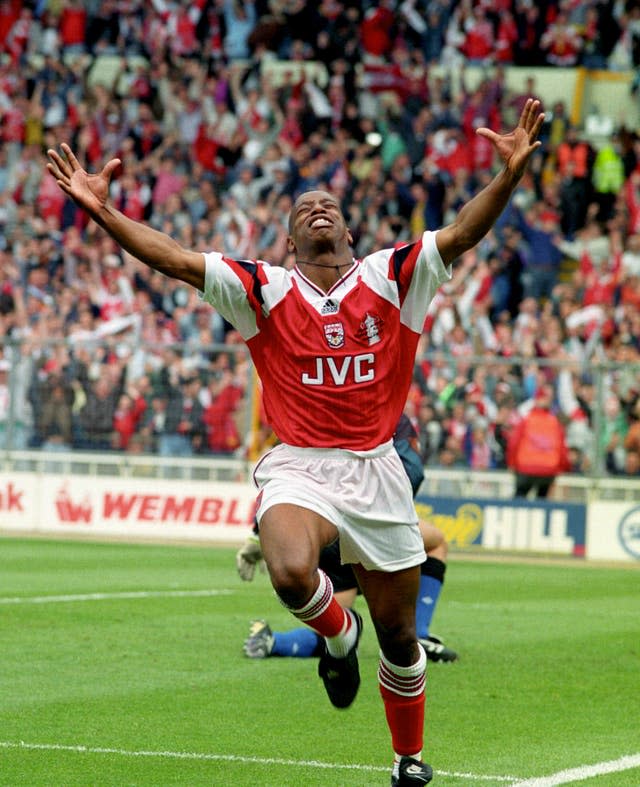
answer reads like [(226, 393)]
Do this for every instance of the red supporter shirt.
[(72, 26), (13, 126), (335, 367)]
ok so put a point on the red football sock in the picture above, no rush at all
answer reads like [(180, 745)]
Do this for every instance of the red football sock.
[(323, 613), (402, 690)]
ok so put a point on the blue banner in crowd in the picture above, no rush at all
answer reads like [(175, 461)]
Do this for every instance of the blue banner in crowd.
[(513, 525)]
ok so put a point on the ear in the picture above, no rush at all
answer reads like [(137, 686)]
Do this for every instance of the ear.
[(349, 237), (291, 246)]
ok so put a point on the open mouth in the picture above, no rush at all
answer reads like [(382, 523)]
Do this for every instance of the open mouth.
[(319, 223)]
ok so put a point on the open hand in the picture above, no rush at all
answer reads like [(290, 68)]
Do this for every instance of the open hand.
[(88, 191), (516, 147)]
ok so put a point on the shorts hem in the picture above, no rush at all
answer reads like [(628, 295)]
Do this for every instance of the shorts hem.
[(397, 565), (309, 505)]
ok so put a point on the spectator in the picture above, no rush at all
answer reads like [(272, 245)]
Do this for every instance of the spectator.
[(153, 422), (240, 20), (632, 438), (597, 38), (632, 464), (531, 25), (479, 445), (16, 414), (219, 416), (181, 433), (506, 419), (539, 228), (575, 159), (102, 386), (561, 42), (614, 429), (506, 37), (377, 30), (126, 418), (430, 431), (72, 26), (578, 462), (537, 451), (478, 45), (52, 397), (449, 458), (631, 256)]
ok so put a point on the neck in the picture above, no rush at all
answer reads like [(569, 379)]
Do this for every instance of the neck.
[(336, 267), (324, 274)]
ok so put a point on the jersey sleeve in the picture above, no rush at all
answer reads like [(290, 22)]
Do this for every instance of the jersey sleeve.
[(419, 271), (409, 275), (234, 288)]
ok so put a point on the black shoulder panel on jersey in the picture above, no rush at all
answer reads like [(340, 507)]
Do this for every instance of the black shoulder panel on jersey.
[(251, 267), (399, 256)]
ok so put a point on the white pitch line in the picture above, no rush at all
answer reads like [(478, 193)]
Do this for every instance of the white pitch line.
[(583, 772), (186, 755), (108, 596)]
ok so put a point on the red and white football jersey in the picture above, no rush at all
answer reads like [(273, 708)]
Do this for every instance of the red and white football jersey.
[(336, 366)]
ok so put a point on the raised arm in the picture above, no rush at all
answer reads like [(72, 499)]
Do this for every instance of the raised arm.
[(91, 193), (477, 217)]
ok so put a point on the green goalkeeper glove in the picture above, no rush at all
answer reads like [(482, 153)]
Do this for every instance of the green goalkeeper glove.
[(248, 557)]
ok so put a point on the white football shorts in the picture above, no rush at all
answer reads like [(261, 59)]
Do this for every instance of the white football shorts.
[(365, 494)]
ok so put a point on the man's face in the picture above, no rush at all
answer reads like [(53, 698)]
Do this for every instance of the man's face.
[(317, 221)]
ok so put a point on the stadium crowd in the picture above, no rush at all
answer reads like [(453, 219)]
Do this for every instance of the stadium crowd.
[(222, 111)]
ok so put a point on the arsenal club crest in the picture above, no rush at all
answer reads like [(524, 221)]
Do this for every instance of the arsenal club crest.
[(334, 334)]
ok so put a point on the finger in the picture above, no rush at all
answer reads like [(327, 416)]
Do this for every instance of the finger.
[(536, 127), (73, 161), (488, 133), (57, 166), (534, 113), (54, 171), (110, 167), (61, 180), (528, 113)]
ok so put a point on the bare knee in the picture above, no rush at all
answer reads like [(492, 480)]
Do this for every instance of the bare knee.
[(391, 598), (398, 641), (435, 544), (440, 551), (294, 583)]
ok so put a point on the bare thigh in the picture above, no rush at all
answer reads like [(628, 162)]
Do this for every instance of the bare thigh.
[(291, 538)]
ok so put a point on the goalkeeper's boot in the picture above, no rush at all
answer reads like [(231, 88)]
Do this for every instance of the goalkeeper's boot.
[(412, 773), (436, 650), (259, 643), (341, 676)]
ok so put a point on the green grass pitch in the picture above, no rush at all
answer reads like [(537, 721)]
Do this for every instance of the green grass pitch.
[(122, 665)]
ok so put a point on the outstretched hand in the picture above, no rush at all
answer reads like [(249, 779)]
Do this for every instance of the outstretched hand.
[(90, 192), (516, 147)]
